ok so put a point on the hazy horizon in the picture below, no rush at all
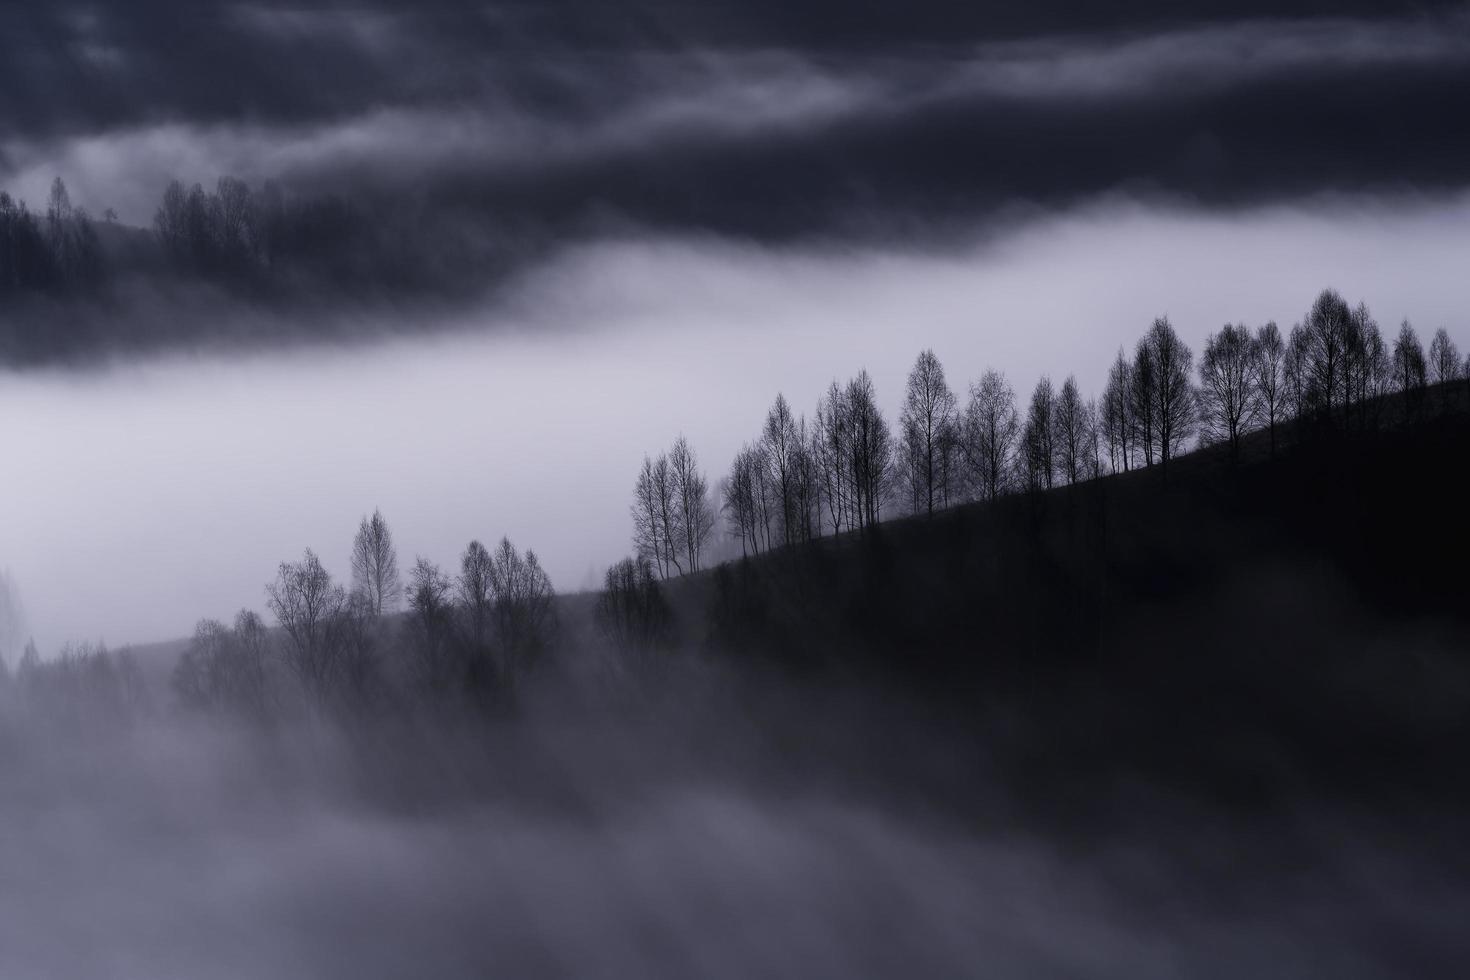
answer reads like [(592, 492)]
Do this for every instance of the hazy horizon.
[(154, 491)]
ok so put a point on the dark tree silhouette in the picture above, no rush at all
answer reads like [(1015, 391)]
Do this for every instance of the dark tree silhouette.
[(430, 625), (1268, 377), (633, 614), (928, 423), (1325, 337), (524, 616), (307, 607), (1410, 368), (1444, 358), (782, 443), (696, 518), (746, 501), (1071, 435), (990, 430), (1144, 391), (1229, 401), (1117, 414), (63, 254), (1039, 456), (476, 598), (1174, 406)]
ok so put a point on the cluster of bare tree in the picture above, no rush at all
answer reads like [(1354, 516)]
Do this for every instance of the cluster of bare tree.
[(633, 615), (838, 472), (235, 232), (57, 251), (471, 634), (672, 513), (85, 686)]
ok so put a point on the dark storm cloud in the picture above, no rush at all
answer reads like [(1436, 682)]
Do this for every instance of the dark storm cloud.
[(559, 116)]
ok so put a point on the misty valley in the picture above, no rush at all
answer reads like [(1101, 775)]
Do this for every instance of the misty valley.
[(1021, 694), (734, 489)]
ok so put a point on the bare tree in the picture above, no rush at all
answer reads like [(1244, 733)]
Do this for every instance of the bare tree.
[(927, 421), (872, 458), (1367, 371), (1040, 449), (224, 669), (633, 614), (1070, 435), (1410, 369), (306, 605), (782, 442), (1325, 334), (831, 451), (1268, 377), (1229, 400), (1144, 392), (1174, 407), (524, 617), (696, 518), (743, 505), (375, 566), (1444, 358), (648, 523), (430, 626), (1117, 414), (476, 600), (990, 429)]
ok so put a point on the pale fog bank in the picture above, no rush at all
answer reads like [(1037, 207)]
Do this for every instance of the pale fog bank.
[(141, 497)]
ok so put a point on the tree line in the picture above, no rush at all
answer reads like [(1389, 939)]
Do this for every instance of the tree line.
[(387, 638), (846, 467), (57, 250), (248, 238)]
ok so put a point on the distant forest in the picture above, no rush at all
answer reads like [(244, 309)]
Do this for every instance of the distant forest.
[(262, 241)]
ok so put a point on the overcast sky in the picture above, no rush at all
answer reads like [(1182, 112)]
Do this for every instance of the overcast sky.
[(716, 201)]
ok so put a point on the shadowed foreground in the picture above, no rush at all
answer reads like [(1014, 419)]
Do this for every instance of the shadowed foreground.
[(1213, 729)]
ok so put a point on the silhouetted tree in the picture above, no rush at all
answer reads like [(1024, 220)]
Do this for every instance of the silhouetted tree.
[(375, 566), (832, 449), (1039, 456), (1367, 371), (1444, 358), (1070, 435), (524, 619), (696, 518), (632, 612), (1144, 378), (745, 504), (872, 460), (927, 422), (476, 598), (1325, 335), (782, 444), (1268, 377), (1410, 369), (1174, 408), (1117, 414), (990, 430), (430, 625), (306, 605), (1228, 398)]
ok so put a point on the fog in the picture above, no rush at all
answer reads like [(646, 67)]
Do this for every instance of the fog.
[(146, 494), (806, 837)]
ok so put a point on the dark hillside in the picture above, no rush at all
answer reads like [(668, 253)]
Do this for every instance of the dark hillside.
[(1291, 621)]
